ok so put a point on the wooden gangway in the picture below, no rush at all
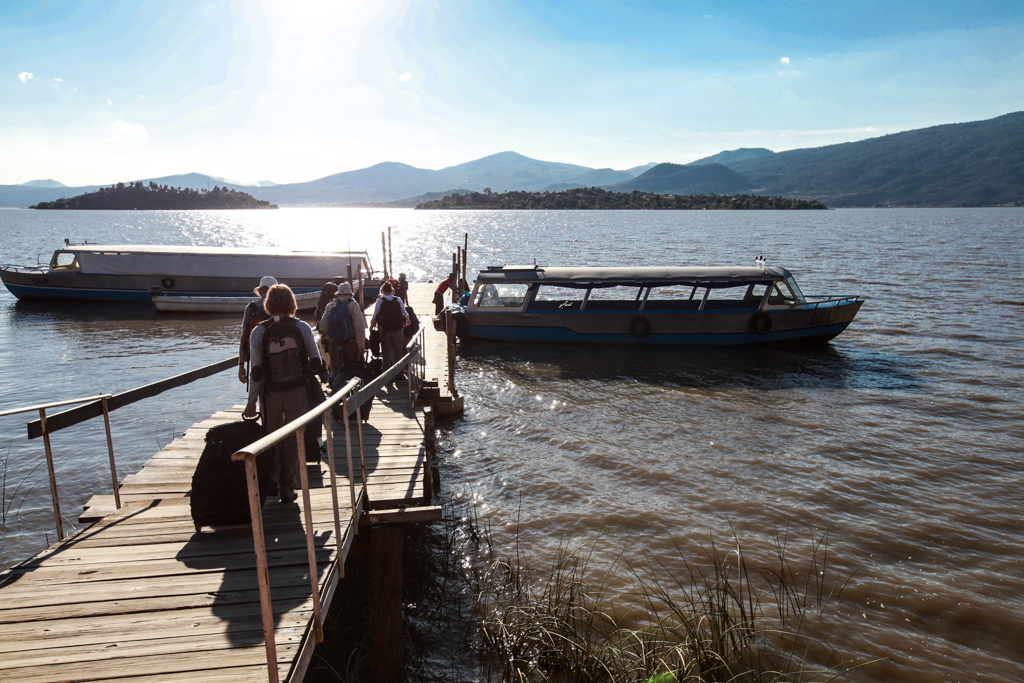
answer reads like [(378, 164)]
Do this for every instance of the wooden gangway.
[(141, 596), (438, 351)]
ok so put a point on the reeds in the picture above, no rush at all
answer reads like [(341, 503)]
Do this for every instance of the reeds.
[(718, 620)]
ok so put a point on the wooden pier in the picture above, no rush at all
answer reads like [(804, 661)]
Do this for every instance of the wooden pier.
[(141, 596)]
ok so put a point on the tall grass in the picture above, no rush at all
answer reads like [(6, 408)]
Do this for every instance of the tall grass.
[(721, 619)]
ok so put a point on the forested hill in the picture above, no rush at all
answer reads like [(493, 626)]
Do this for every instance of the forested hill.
[(959, 164), (596, 198), (157, 197)]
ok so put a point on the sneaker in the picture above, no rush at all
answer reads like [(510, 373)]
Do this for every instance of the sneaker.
[(288, 495)]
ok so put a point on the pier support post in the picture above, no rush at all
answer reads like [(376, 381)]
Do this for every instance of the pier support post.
[(386, 603), (430, 447)]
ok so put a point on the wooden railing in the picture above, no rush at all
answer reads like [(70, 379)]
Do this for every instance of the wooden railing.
[(351, 397), (101, 404)]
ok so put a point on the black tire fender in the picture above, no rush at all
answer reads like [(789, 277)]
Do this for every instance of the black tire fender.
[(167, 283), (761, 322), (640, 327)]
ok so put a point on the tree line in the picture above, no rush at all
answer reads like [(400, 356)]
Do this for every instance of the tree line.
[(597, 198), (157, 197)]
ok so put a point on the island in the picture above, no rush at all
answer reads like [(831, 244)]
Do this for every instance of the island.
[(597, 198), (155, 197)]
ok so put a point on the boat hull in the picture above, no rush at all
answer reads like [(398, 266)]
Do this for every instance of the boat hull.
[(75, 285), (715, 328), (305, 301)]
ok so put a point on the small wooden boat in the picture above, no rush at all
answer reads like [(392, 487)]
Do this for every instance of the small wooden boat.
[(185, 303), (714, 306)]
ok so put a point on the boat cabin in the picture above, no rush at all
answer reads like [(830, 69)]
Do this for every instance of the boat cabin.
[(534, 289)]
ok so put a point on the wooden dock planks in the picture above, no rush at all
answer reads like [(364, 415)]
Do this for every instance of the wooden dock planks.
[(140, 596)]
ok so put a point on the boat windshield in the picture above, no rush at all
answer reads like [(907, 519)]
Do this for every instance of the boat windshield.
[(509, 295), (796, 289), (65, 260)]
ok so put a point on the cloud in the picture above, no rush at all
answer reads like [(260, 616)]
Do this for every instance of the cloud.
[(784, 60), (25, 76), (58, 80), (110, 103), (131, 130), (405, 77)]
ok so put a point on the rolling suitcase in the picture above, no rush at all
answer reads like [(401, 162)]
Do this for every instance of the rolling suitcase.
[(220, 494)]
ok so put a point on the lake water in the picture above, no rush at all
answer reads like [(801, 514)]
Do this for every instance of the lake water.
[(902, 437)]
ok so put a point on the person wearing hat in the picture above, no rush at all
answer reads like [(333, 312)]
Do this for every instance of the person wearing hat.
[(353, 349), (402, 288), (255, 313)]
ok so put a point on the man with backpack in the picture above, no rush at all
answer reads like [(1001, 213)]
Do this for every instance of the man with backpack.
[(254, 314), (389, 314), (284, 357), (343, 329)]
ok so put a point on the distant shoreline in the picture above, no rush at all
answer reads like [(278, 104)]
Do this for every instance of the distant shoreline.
[(594, 198)]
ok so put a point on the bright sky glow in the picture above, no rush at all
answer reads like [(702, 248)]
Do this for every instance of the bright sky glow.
[(97, 91)]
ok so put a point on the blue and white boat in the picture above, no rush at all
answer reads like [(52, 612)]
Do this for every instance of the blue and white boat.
[(651, 305), (134, 272)]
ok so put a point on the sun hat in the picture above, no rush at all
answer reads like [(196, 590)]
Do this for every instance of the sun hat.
[(268, 281), (344, 288)]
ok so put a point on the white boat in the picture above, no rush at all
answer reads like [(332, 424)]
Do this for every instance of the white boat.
[(184, 303), (131, 272)]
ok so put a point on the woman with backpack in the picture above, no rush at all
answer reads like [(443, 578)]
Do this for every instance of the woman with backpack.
[(284, 357)]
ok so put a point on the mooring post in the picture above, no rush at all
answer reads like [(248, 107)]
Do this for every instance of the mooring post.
[(386, 603), (428, 447)]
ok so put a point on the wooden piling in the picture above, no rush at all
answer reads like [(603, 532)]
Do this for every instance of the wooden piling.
[(386, 603)]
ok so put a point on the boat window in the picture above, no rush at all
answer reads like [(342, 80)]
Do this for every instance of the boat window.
[(66, 260), (783, 290), (564, 298), (756, 292), (504, 294), (796, 289), (671, 293)]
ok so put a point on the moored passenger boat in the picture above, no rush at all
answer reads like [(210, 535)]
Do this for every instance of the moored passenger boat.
[(133, 272), (715, 305)]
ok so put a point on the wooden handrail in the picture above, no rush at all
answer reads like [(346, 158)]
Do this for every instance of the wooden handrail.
[(351, 400), (74, 416), (53, 404)]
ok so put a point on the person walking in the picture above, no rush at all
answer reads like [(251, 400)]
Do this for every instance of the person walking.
[(352, 348), (402, 288), (255, 313), (284, 356), (389, 314)]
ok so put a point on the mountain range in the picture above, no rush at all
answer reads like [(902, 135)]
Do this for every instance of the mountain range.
[(963, 164)]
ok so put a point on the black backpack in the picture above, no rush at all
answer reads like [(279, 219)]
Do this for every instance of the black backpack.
[(390, 315), (284, 355), (413, 327)]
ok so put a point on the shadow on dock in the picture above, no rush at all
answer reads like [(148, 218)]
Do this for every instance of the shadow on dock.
[(229, 551)]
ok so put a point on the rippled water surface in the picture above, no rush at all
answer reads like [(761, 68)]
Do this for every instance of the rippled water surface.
[(903, 437)]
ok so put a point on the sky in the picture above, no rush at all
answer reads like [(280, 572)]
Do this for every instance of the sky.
[(101, 91)]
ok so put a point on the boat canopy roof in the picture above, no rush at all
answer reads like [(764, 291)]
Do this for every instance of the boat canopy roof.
[(586, 277), (169, 260)]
